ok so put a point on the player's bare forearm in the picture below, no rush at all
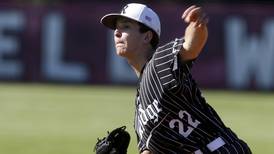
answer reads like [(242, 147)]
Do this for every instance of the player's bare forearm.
[(195, 34)]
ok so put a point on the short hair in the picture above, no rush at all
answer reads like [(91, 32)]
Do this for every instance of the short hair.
[(155, 40)]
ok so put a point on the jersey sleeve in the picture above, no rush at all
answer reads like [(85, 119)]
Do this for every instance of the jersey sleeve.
[(170, 69)]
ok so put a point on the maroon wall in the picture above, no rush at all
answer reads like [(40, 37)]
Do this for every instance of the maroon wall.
[(66, 43)]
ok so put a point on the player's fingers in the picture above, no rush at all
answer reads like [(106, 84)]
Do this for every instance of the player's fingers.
[(202, 20), (193, 15), (187, 11)]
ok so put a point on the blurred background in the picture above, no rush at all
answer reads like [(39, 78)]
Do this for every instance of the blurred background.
[(64, 42), (62, 86)]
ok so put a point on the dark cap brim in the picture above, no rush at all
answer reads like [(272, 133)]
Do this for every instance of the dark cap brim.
[(109, 20)]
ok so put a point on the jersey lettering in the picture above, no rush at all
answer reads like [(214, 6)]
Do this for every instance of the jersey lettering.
[(149, 113)]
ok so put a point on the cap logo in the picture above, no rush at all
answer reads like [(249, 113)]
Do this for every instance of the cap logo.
[(124, 9), (148, 18)]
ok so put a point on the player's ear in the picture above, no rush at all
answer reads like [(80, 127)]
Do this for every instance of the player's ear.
[(148, 36)]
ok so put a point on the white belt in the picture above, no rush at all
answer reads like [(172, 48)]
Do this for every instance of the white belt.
[(213, 145)]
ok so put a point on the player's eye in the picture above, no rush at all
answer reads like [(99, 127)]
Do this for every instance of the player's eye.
[(125, 26)]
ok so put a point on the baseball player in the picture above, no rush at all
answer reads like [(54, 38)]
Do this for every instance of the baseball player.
[(171, 114)]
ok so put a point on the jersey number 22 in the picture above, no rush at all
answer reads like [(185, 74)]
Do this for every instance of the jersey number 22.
[(184, 128)]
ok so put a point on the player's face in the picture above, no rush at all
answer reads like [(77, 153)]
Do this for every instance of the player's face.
[(127, 37)]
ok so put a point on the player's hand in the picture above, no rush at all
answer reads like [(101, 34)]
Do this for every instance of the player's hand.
[(196, 32)]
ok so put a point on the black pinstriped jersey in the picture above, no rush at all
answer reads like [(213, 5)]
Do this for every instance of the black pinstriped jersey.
[(171, 115)]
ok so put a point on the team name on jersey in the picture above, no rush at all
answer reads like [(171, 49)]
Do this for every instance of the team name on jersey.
[(150, 113)]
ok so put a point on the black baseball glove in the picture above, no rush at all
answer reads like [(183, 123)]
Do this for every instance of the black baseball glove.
[(116, 142)]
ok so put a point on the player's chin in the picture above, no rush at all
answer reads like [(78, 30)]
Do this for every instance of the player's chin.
[(121, 53)]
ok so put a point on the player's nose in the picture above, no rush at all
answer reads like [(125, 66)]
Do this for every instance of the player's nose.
[(117, 33)]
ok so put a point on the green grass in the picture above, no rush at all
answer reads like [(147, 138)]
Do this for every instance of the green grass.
[(56, 119)]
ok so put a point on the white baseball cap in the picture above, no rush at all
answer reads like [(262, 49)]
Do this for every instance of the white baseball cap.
[(138, 12)]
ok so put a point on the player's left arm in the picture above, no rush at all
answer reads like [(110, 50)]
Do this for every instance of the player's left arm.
[(195, 34)]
